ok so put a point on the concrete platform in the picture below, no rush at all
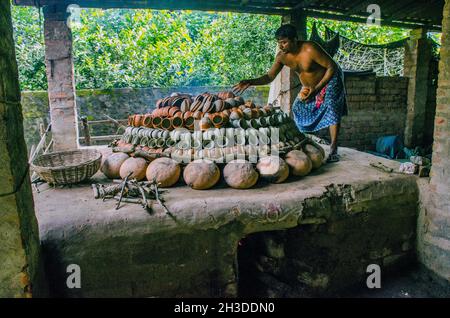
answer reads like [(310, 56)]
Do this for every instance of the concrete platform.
[(129, 252)]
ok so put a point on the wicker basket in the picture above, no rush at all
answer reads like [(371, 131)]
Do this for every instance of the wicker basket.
[(67, 167)]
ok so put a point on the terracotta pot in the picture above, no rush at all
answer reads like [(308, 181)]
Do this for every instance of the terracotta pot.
[(217, 119), (165, 111), (177, 122), (138, 120), (250, 104), (156, 112), (173, 110), (189, 123), (235, 115), (130, 120), (187, 115), (255, 113), (247, 113), (205, 123), (185, 105), (226, 112), (225, 118), (166, 123), (147, 121), (157, 120), (197, 115)]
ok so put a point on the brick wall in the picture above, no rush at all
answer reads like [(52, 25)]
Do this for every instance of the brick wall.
[(376, 107)]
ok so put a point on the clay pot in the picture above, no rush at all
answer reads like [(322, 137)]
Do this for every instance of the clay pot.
[(217, 119), (187, 115), (130, 120), (235, 115), (219, 105), (165, 112), (166, 123), (156, 112), (225, 118), (138, 120), (248, 114), (157, 121), (239, 100), (205, 123), (185, 105), (226, 95), (250, 104), (177, 122), (231, 102), (197, 115), (147, 121), (189, 122), (173, 110)]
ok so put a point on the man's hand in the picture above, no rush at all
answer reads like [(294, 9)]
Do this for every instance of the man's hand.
[(307, 93), (241, 87)]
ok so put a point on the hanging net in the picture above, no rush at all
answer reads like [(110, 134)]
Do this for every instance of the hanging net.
[(384, 59)]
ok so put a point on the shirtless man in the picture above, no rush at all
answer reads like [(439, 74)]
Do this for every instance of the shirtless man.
[(321, 102)]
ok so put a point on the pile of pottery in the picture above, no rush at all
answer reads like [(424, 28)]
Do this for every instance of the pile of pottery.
[(210, 110), (210, 135)]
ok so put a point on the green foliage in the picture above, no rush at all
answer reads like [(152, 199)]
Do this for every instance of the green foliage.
[(28, 36), (144, 48)]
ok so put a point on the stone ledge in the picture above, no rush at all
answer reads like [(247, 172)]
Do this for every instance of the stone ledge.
[(128, 252)]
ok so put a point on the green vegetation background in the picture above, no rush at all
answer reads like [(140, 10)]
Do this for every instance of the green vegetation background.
[(145, 48)]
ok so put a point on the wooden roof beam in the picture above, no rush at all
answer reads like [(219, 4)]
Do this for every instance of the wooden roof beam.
[(359, 19)]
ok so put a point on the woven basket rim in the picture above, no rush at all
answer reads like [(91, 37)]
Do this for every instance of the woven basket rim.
[(96, 152)]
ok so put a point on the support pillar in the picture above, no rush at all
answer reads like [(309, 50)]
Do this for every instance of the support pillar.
[(418, 54), (288, 78), (20, 266), (60, 77), (434, 224)]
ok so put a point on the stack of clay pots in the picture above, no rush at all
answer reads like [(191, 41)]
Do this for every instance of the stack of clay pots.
[(212, 131)]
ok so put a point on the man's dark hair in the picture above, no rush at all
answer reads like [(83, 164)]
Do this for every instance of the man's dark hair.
[(286, 31)]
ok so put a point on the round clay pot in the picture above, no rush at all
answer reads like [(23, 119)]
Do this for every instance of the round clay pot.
[(137, 120), (166, 124), (157, 121), (205, 123), (173, 110), (197, 115), (187, 115), (177, 122), (147, 121)]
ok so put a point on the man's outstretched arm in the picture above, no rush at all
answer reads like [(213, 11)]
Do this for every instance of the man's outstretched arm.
[(263, 80)]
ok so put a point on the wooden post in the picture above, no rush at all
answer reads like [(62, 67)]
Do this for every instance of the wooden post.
[(87, 134)]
